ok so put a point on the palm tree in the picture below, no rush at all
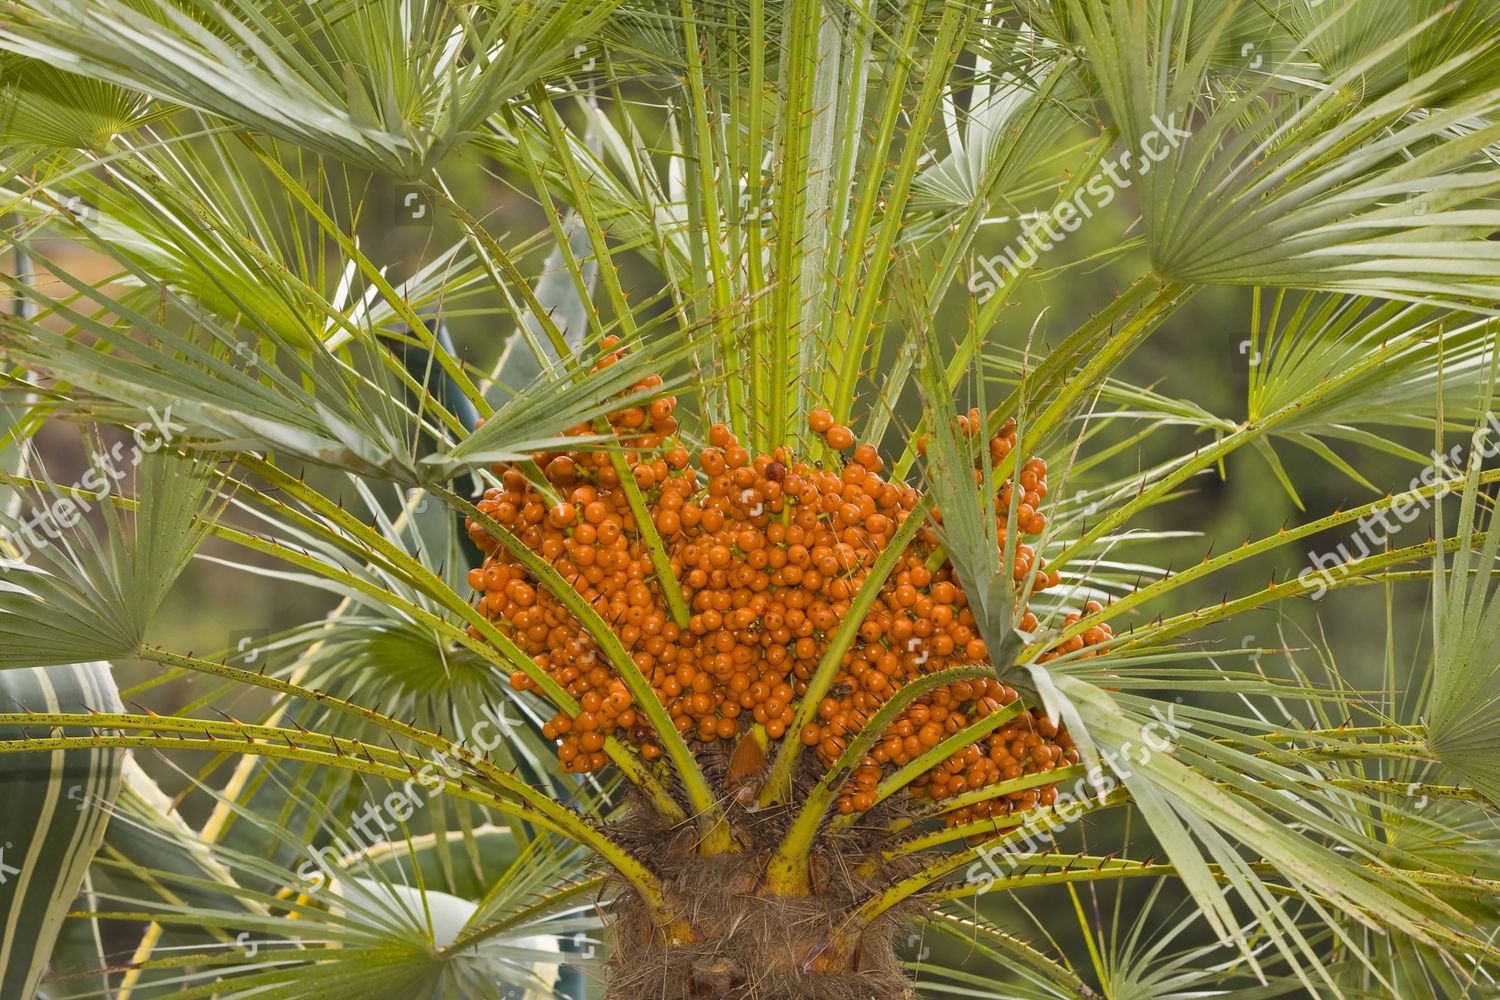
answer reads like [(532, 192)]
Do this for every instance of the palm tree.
[(250, 238)]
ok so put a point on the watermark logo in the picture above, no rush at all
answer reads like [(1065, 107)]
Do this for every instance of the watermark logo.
[(412, 207), (1042, 233), (245, 646), (583, 946), (380, 818), (1411, 793), (1040, 828), (81, 211), (1371, 533), (40, 527), (1244, 354)]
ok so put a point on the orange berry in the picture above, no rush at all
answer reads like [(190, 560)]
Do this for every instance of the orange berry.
[(562, 515)]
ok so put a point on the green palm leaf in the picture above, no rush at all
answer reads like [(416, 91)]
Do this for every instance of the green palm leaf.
[(57, 808), (1330, 191), (430, 77)]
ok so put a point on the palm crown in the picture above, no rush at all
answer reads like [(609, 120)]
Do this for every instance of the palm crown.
[(629, 636)]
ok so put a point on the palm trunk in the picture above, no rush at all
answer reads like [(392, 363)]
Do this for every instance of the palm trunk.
[(744, 942)]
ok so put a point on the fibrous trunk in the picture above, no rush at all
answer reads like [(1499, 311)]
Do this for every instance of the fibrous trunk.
[(746, 941)]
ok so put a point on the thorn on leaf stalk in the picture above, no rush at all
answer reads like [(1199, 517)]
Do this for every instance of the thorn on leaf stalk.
[(401, 754)]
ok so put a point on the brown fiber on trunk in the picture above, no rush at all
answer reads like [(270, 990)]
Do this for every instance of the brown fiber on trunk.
[(750, 944)]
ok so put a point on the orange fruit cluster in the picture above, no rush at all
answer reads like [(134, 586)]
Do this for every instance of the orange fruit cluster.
[(769, 553)]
